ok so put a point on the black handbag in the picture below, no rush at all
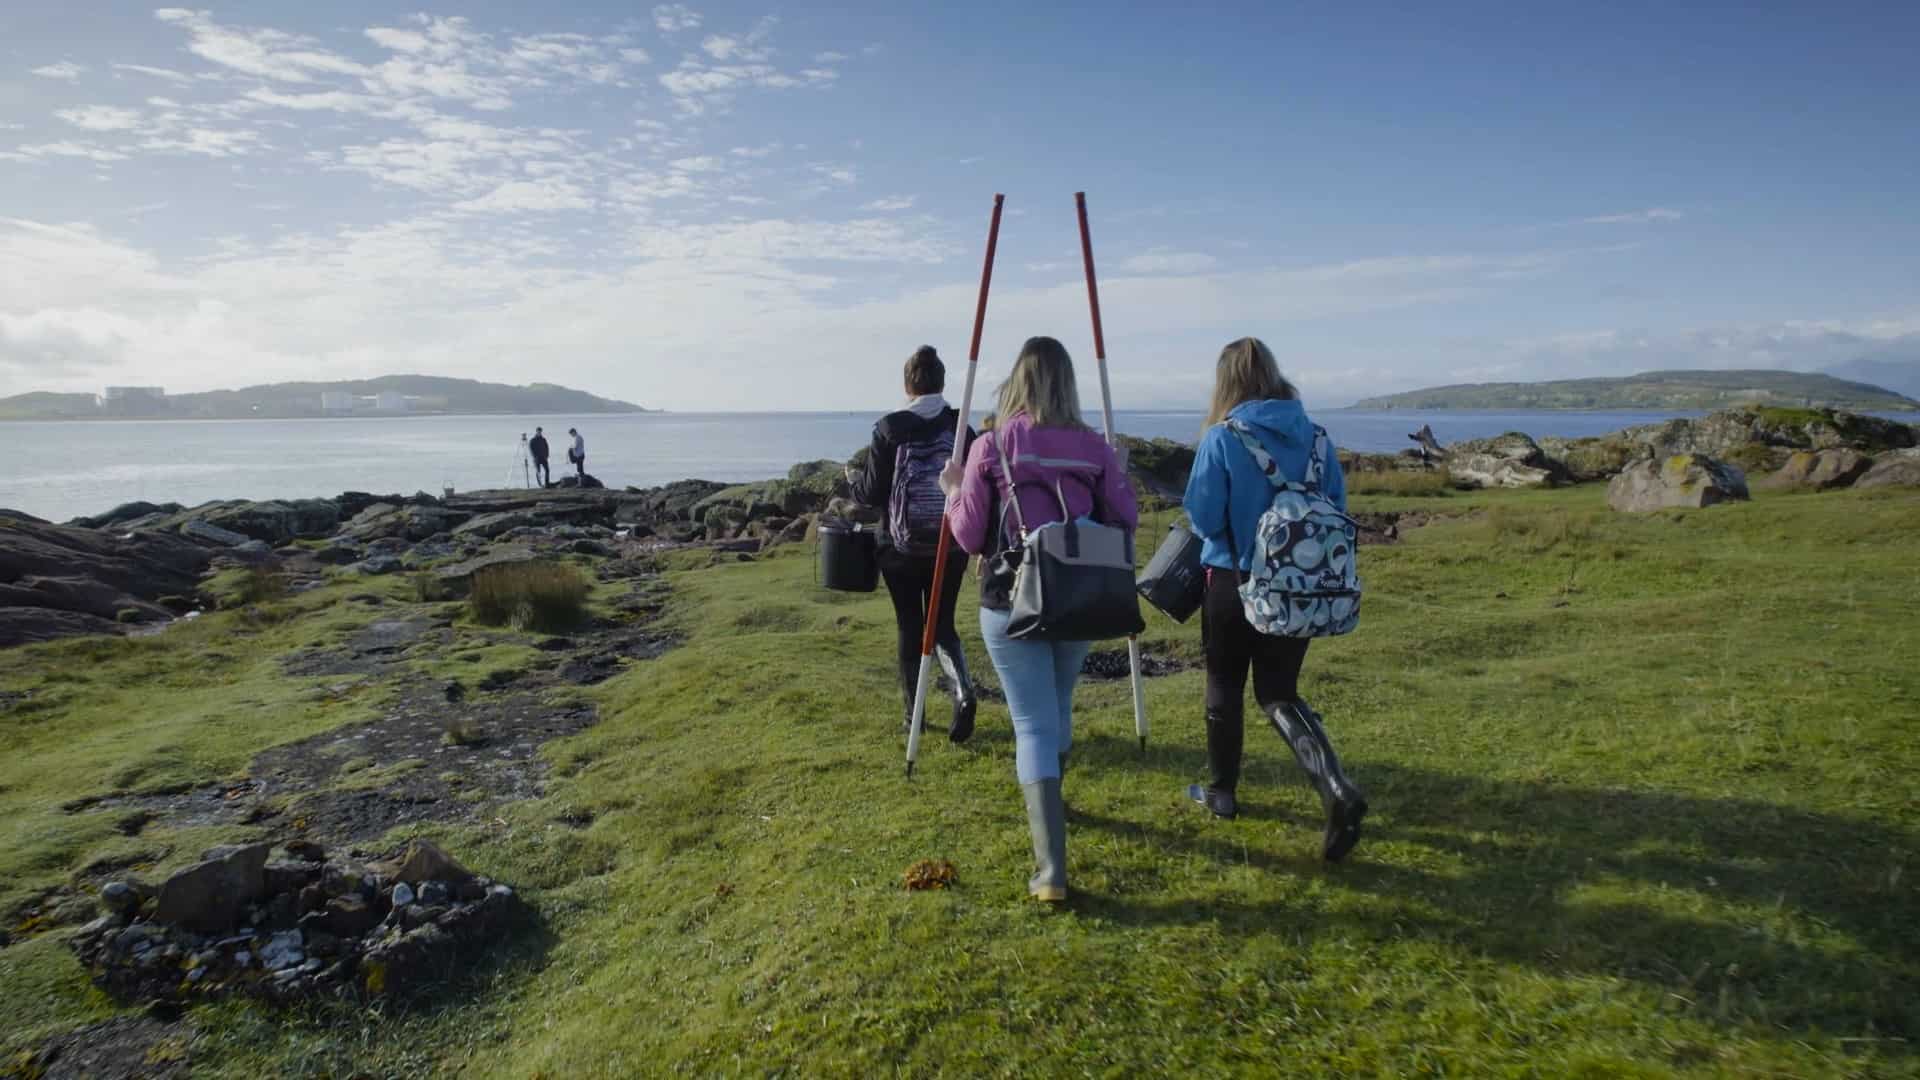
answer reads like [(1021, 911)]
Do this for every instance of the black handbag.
[(1072, 580), (1174, 580)]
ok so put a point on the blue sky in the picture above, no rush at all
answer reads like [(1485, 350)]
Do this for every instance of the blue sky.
[(763, 206)]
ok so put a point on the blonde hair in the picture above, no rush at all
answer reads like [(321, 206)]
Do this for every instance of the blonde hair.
[(1246, 372), (1042, 386)]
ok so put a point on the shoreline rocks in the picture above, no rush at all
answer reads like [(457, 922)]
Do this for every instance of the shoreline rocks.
[(1679, 481)]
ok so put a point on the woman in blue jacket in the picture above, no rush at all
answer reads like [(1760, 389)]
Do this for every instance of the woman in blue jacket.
[(1226, 495)]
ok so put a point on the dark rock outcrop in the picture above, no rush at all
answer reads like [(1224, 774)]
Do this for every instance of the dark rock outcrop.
[(1819, 470), (59, 580)]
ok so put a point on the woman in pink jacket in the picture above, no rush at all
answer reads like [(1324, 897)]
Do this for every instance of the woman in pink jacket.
[(1038, 426)]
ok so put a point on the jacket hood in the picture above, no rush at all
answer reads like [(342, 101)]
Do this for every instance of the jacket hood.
[(1286, 422)]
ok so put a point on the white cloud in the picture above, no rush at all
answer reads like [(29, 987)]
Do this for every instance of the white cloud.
[(528, 195), (896, 202), (100, 117), (673, 18), (1636, 217), (85, 151), (328, 100), (1169, 263), (842, 175), (65, 69), (265, 53), (864, 240), (635, 56), (819, 74), (158, 73), (829, 57), (163, 103), (756, 152), (704, 163), (206, 142)]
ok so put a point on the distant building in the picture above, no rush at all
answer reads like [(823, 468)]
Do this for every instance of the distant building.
[(129, 393), (336, 401), (134, 400), (390, 401)]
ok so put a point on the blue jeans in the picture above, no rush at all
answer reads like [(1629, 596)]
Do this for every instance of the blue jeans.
[(1038, 678)]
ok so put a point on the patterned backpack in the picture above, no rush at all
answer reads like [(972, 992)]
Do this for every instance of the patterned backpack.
[(916, 503), (1304, 583)]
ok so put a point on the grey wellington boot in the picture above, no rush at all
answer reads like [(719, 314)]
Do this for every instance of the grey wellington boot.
[(1047, 820), (965, 702), (1343, 801), (1226, 732)]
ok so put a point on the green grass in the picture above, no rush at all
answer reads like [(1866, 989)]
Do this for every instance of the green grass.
[(1434, 483), (1644, 805)]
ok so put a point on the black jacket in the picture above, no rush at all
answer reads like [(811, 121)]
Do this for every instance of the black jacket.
[(873, 485), (538, 446)]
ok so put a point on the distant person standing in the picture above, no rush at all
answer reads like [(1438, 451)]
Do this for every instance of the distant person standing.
[(578, 455), (537, 446)]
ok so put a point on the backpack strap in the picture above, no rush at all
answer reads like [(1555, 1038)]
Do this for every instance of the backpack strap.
[(1316, 458)]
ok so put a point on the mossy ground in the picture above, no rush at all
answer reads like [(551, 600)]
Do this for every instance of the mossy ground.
[(1644, 790)]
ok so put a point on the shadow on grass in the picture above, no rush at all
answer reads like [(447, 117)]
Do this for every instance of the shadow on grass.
[(1741, 911)]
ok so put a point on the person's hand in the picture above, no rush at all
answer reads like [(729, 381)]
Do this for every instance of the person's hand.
[(847, 471), (952, 475)]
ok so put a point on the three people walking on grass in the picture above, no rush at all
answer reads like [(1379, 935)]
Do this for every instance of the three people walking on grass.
[(1267, 499)]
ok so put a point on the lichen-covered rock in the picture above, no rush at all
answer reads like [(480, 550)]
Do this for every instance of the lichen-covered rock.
[(1589, 459), (1819, 470), (197, 529), (1682, 480), (1901, 469), (1512, 460)]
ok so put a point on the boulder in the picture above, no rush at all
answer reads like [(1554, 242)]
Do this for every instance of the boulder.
[(209, 896), (461, 572), (1158, 467), (384, 521), (278, 522), (1819, 470), (822, 479), (378, 564), (1585, 460), (582, 483), (424, 861), (198, 529), (672, 502), (1682, 480), (126, 512), (1512, 460), (1894, 470)]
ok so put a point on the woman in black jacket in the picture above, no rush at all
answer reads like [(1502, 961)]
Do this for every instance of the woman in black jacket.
[(901, 479)]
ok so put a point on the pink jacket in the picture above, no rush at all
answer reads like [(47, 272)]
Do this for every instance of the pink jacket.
[(1040, 456)]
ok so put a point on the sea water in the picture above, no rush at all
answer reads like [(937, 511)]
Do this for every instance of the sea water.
[(60, 470)]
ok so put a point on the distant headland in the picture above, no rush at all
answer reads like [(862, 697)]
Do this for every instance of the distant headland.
[(388, 395), (1701, 390)]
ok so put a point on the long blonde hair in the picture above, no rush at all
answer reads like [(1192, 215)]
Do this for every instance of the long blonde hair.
[(1042, 386), (1246, 372)]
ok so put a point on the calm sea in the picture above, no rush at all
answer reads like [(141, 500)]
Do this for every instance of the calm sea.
[(62, 470)]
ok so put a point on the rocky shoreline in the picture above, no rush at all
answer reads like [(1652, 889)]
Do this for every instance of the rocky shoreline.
[(142, 564)]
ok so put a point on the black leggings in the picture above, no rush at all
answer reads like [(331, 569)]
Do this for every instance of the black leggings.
[(1233, 645), (910, 582)]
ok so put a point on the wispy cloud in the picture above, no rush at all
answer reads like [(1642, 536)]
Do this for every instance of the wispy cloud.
[(1161, 262), (896, 202), (675, 18), (65, 69), (100, 118), (1635, 217), (169, 75)]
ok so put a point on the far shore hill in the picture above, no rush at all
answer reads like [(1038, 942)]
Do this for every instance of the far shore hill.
[(388, 395), (1656, 390)]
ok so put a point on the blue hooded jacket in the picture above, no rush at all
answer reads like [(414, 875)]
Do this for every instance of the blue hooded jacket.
[(1227, 488)]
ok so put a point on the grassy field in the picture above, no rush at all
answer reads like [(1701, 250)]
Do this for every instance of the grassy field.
[(1644, 797)]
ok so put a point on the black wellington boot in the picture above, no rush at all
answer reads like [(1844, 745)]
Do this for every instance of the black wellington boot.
[(1344, 802), (1225, 735), (965, 703)]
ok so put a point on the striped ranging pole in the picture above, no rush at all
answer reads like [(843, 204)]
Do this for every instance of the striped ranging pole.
[(946, 537), (1106, 414)]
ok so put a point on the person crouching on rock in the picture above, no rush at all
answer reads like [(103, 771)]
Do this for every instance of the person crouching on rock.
[(1227, 493), (1054, 458), (901, 479), (537, 446)]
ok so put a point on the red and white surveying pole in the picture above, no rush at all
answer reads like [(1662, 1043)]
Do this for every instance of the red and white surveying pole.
[(1106, 414), (946, 537)]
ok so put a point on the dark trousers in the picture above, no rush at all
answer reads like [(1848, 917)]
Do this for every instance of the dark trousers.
[(541, 471), (909, 581), (1234, 648), (580, 466)]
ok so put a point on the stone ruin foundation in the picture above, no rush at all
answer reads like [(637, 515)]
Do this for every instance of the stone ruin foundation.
[(292, 923)]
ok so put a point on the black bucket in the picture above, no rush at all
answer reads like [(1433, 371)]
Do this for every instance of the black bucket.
[(848, 560)]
